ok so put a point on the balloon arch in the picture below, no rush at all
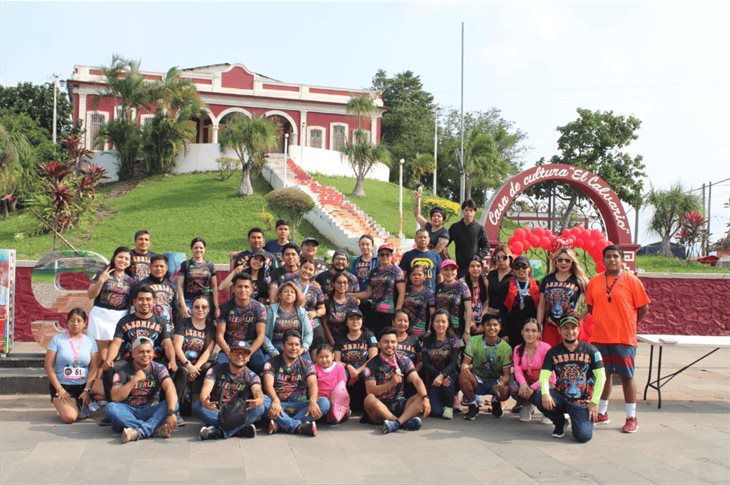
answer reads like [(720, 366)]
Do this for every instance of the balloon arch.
[(592, 241)]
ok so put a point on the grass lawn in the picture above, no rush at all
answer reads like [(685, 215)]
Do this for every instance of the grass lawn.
[(659, 264), (174, 208)]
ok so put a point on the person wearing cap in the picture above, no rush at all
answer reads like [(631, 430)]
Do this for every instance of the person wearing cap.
[(255, 243), (520, 303), (485, 368), (454, 296), (580, 378), (339, 265), (387, 290), (385, 379), (260, 277), (136, 409), (422, 256), (354, 349), (617, 301), (242, 319), (225, 384), (291, 383), (438, 235), (310, 246), (287, 270), (276, 246), (469, 237)]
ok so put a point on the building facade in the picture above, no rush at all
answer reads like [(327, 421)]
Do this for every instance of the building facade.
[(309, 116)]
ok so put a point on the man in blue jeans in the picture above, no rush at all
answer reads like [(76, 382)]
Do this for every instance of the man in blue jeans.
[(136, 410), (580, 376), (223, 385), (291, 384)]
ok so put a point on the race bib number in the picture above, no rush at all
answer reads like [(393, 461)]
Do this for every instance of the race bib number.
[(75, 373)]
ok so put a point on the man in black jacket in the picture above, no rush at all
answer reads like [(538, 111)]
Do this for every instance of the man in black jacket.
[(469, 237)]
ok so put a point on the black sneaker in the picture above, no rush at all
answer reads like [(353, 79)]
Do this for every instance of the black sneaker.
[(248, 431), (210, 433), (308, 428), (560, 427), (497, 408), (105, 422), (472, 413)]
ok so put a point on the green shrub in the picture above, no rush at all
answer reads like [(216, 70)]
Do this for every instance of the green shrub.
[(290, 203), (452, 209)]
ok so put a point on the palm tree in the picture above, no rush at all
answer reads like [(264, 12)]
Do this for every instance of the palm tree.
[(669, 209), (248, 136), (418, 168), (171, 128), (361, 106), (127, 87), (362, 156)]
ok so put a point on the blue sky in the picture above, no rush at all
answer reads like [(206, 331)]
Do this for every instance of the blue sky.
[(668, 63)]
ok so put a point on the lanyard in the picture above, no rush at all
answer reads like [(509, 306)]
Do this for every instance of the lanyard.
[(609, 289), (521, 292), (490, 358), (73, 349)]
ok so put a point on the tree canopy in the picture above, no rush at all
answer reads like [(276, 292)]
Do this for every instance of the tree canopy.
[(36, 101), (670, 206)]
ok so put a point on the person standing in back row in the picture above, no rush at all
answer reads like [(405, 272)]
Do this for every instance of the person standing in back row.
[(469, 237)]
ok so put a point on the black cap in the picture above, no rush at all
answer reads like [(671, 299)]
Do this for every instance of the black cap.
[(520, 260), (259, 253), (310, 240), (352, 312)]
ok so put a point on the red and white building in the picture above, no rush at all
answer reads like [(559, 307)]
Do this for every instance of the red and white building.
[(313, 117)]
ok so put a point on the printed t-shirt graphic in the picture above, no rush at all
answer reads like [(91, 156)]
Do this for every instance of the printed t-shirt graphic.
[(416, 305), (574, 370), (450, 296), (439, 352), (229, 386), (241, 322), (139, 267), (131, 327), (197, 276), (336, 313), (290, 383), (284, 321), (380, 372), (115, 292), (382, 282), (410, 347), (193, 339), (429, 260), (355, 352), (147, 391), (560, 296)]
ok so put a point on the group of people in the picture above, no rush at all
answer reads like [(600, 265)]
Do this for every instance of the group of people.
[(301, 342)]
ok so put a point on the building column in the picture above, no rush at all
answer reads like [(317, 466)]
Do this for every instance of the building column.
[(303, 127), (215, 133), (373, 129)]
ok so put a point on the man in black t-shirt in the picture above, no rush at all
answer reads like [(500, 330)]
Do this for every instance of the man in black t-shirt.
[(309, 252), (167, 300), (469, 237), (276, 246), (135, 409), (223, 385), (339, 265), (255, 243), (139, 266), (287, 270), (384, 382), (580, 376)]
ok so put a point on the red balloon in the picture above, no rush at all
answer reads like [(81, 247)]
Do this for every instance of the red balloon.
[(545, 242), (600, 267), (526, 246), (534, 240), (527, 230), (596, 234), (578, 242), (589, 244), (520, 234), (538, 231), (516, 248), (549, 233), (511, 241)]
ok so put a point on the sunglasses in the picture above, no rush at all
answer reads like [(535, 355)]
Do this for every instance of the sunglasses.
[(200, 307), (564, 260), (500, 258), (521, 266)]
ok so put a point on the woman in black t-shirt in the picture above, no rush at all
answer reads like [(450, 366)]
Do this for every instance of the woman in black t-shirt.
[(355, 349), (498, 280), (197, 277)]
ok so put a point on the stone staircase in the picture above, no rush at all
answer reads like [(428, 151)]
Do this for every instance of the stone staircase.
[(21, 371), (335, 216)]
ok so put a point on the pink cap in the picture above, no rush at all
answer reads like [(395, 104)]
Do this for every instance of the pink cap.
[(449, 262)]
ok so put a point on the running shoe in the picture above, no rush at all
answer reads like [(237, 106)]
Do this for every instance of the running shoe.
[(273, 427), (248, 431), (390, 426), (472, 413), (631, 425), (163, 431), (602, 418), (526, 413), (560, 428), (517, 408), (180, 421), (413, 424), (129, 434), (448, 413), (210, 433), (308, 428), (497, 408)]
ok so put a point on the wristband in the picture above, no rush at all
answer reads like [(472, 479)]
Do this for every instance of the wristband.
[(186, 363), (86, 389)]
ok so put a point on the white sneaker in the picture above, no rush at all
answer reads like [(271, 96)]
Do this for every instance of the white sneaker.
[(545, 420), (526, 413), (448, 413)]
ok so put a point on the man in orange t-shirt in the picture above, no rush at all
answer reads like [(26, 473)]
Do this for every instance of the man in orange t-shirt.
[(618, 301)]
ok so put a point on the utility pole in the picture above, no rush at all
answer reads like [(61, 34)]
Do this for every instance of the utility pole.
[(463, 173), (703, 245), (55, 109), (709, 216), (435, 146)]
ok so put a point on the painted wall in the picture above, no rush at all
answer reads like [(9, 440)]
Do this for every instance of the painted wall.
[(681, 304)]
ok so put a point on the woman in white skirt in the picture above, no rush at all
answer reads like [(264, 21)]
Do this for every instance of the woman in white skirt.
[(110, 291)]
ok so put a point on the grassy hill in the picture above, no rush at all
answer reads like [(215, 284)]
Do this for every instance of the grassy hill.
[(176, 208)]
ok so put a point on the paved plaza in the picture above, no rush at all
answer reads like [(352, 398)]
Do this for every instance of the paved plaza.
[(685, 442)]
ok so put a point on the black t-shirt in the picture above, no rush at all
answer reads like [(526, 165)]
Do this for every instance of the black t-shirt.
[(410, 347), (574, 370), (560, 296), (498, 289), (336, 314), (167, 304), (197, 277), (434, 237), (275, 248), (244, 257), (147, 392), (130, 327), (115, 293), (139, 267), (229, 386), (380, 372), (194, 340), (290, 382), (326, 278), (470, 240), (281, 275), (241, 322), (355, 352)]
